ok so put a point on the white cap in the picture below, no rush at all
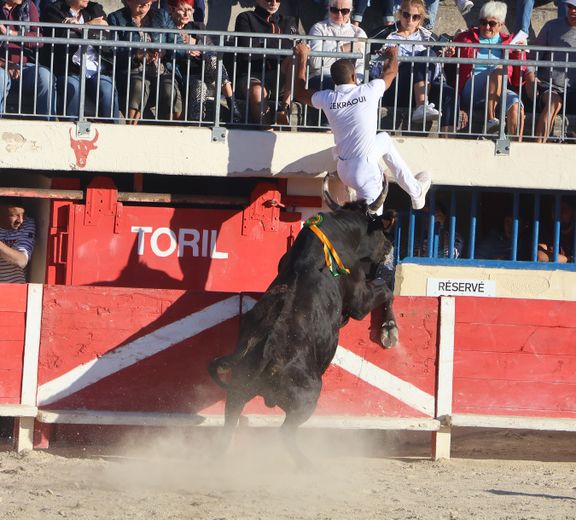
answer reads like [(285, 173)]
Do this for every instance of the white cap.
[(571, 2)]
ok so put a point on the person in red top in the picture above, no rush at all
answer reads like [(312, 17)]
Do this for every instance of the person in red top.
[(22, 58), (471, 80)]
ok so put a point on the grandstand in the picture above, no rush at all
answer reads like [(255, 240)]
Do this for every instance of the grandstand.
[(209, 163)]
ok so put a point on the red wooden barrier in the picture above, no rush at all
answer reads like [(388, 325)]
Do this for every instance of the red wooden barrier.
[(515, 357), (147, 350), (12, 324)]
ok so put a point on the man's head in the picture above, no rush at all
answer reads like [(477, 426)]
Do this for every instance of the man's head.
[(11, 213), (571, 12), (343, 72)]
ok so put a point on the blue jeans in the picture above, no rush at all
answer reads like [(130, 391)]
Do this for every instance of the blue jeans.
[(107, 100), (524, 10), (35, 79), (479, 96), (432, 8)]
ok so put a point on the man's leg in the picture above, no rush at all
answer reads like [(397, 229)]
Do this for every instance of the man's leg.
[(363, 175), (4, 87), (416, 187), (551, 105)]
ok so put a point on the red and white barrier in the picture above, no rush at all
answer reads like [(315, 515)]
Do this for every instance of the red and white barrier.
[(112, 355)]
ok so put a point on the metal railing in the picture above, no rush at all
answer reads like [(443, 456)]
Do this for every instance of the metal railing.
[(149, 75), (521, 229)]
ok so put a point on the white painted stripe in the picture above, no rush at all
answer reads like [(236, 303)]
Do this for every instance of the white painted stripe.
[(31, 344), (446, 356), (137, 350), (385, 381), (247, 303)]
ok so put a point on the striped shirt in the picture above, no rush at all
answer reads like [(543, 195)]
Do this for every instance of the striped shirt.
[(21, 239)]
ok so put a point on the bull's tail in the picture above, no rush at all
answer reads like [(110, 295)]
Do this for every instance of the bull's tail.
[(220, 366)]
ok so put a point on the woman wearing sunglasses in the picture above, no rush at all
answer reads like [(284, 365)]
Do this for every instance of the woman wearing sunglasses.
[(425, 78), (337, 24), (481, 84)]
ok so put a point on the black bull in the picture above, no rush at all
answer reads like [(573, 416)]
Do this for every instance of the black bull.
[(288, 339)]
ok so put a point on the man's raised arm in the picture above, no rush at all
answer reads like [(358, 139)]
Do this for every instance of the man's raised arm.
[(301, 93), (390, 69)]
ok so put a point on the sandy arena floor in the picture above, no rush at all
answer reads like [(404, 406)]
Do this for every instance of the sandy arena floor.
[(358, 475)]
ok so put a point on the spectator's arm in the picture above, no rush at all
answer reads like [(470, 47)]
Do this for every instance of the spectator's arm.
[(301, 93), (317, 46), (243, 25), (13, 256)]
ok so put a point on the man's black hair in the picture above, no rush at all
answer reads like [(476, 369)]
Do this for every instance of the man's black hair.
[(12, 202), (342, 71)]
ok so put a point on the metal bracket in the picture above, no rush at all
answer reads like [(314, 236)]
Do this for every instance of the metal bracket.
[(502, 147), (219, 134), (83, 128)]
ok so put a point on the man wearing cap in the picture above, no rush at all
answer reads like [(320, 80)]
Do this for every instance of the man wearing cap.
[(352, 111), (553, 83), (17, 234)]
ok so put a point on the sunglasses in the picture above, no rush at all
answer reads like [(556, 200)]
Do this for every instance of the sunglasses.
[(414, 17), (343, 10), (490, 23)]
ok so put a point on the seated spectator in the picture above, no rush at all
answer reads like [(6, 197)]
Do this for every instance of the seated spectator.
[(497, 244), (17, 235), (258, 73), (67, 58), (551, 83), (21, 65), (199, 7), (426, 79), (566, 245), (197, 62), (142, 72), (473, 79), (337, 24), (441, 242)]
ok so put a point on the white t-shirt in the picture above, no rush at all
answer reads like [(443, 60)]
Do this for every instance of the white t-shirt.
[(352, 111)]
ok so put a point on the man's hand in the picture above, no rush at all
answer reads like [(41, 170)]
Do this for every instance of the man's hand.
[(390, 68), (301, 51), (98, 21)]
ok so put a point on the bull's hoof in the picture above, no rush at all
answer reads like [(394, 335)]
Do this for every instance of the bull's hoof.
[(389, 334)]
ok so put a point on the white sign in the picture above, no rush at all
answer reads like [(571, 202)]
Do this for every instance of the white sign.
[(455, 287)]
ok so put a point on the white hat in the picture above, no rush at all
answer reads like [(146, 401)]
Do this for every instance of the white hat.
[(571, 2)]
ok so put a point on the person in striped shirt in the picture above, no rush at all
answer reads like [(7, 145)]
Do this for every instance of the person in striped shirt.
[(17, 234)]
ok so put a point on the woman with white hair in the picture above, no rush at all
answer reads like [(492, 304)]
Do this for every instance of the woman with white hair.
[(474, 80), (337, 24)]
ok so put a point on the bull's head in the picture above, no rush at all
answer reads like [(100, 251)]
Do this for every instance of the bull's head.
[(82, 147), (373, 207)]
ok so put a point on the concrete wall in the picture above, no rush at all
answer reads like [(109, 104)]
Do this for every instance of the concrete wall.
[(38, 146), (411, 280)]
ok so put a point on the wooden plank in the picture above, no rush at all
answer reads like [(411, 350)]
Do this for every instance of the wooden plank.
[(32, 345), (12, 297), (441, 441), (12, 325), (498, 397), (17, 410), (515, 338), (523, 366), (529, 312), (517, 422), (175, 419)]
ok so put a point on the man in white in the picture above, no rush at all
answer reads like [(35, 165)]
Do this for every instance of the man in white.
[(352, 111)]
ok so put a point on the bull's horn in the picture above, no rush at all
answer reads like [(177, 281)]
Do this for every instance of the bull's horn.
[(330, 202), (374, 206)]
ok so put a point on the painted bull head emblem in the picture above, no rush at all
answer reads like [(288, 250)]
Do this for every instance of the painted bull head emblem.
[(82, 147)]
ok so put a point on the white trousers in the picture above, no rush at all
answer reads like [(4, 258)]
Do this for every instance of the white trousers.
[(364, 173)]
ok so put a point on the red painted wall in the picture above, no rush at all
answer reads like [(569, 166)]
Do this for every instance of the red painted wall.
[(13, 326), (515, 357)]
